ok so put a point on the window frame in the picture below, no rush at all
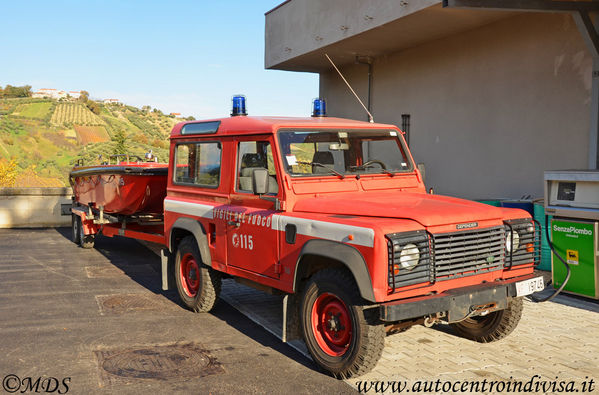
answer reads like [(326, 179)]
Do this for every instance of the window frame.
[(196, 142), (402, 147), (250, 139)]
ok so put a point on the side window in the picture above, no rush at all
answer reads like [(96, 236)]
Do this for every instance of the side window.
[(198, 164), (253, 155)]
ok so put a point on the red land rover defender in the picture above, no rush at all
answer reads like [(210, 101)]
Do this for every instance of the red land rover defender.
[(334, 214)]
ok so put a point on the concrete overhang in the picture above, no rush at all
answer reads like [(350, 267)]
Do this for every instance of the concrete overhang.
[(299, 32)]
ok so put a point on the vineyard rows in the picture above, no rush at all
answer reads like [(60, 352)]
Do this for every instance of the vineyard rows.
[(74, 113)]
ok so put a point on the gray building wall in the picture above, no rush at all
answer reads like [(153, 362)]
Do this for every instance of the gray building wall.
[(491, 108)]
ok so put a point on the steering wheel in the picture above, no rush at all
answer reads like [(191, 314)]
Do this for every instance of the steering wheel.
[(373, 161)]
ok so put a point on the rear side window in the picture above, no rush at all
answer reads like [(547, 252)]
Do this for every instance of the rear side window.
[(198, 164)]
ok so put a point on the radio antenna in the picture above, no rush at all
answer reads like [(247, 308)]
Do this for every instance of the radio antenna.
[(370, 118)]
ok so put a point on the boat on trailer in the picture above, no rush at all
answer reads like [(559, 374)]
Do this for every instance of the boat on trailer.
[(128, 187)]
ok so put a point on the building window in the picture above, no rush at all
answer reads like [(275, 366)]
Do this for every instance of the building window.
[(405, 126)]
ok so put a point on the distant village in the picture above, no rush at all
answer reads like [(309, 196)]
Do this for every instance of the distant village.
[(51, 93), (59, 94)]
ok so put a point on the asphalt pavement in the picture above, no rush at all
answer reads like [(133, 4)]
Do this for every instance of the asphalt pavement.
[(96, 321)]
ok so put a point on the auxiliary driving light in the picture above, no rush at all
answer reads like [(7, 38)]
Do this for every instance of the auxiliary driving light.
[(238, 106), (319, 108)]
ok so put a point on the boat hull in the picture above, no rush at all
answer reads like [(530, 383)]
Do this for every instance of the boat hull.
[(126, 189)]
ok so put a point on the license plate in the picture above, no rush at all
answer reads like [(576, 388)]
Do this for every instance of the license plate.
[(527, 287)]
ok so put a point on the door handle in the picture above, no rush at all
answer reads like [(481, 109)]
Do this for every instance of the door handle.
[(233, 223)]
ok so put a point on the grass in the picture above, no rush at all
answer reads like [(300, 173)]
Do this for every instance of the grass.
[(33, 110)]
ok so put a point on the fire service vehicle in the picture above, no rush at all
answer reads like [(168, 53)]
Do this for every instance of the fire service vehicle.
[(332, 214)]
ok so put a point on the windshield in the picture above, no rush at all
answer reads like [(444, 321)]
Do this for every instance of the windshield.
[(343, 152)]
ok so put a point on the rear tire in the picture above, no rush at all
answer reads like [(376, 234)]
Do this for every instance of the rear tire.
[(493, 326), (79, 236), (75, 225), (198, 285), (342, 336)]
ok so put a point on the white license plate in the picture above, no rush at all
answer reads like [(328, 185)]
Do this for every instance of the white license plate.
[(527, 287)]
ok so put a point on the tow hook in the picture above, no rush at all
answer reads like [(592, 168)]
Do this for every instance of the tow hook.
[(433, 319)]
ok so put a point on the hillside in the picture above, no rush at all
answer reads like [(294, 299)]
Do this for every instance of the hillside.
[(41, 139)]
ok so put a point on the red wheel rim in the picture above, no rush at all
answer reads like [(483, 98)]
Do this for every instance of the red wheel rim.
[(190, 275), (331, 324)]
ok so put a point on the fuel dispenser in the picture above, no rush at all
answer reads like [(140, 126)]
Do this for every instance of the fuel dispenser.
[(572, 198)]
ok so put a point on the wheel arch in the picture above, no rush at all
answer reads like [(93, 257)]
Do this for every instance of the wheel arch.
[(316, 252), (184, 226)]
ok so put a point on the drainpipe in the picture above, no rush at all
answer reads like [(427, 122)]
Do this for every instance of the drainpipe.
[(367, 60)]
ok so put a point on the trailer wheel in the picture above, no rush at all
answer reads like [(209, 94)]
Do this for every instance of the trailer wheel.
[(75, 226), (79, 237), (493, 326), (342, 336), (198, 285)]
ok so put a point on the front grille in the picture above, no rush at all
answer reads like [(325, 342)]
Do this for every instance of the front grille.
[(460, 254), (400, 276), (529, 243), (468, 253)]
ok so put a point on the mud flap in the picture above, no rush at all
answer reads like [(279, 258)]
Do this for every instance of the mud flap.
[(291, 325), (166, 262)]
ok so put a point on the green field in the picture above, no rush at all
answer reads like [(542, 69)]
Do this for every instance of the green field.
[(33, 110), (46, 137)]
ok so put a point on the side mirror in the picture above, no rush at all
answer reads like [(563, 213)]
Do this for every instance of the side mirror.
[(422, 171), (260, 181)]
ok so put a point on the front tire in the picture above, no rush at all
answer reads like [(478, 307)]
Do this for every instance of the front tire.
[(493, 326), (342, 336), (197, 284)]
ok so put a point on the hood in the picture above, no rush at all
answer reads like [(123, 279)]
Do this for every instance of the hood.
[(428, 210)]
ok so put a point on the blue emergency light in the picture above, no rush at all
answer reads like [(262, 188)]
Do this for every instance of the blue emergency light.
[(238, 106), (319, 108)]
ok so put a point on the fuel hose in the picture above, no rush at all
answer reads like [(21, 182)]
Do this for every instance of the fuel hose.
[(560, 289)]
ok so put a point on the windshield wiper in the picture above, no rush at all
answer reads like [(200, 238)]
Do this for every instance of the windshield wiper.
[(387, 172), (362, 167), (333, 171)]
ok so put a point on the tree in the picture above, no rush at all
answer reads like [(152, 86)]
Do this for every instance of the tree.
[(119, 138), (93, 107), (17, 91), (84, 96), (146, 108)]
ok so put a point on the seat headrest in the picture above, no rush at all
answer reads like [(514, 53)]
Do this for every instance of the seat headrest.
[(253, 160), (323, 157)]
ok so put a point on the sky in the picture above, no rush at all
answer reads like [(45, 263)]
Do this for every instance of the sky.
[(189, 57)]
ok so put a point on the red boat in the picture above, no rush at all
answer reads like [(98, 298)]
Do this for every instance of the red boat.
[(127, 188)]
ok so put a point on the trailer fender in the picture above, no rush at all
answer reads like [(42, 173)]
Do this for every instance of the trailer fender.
[(198, 231), (349, 256)]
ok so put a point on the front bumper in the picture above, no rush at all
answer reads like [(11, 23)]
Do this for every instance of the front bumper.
[(456, 303)]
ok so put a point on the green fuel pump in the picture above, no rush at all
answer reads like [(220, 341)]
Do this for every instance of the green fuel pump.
[(572, 197)]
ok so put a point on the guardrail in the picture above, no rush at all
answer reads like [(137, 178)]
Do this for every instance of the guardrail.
[(35, 207)]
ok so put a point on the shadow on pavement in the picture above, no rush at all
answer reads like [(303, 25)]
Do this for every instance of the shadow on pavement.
[(143, 266)]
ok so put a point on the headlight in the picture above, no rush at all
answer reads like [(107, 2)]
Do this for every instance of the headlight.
[(512, 236), (409, 256)]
